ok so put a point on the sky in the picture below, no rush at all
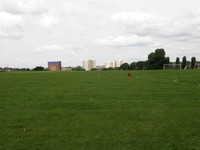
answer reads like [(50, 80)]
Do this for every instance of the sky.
[(33, 32)]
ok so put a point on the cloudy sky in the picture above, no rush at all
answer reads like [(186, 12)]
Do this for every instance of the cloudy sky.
[(33, 32)]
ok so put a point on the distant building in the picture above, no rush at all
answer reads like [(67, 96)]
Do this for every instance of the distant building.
[(119, 63), (110, 64), (197, 66), (66, 68), (89, 64), (114, 64), (54, 65)]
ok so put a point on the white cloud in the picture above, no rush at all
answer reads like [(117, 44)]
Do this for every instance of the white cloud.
[(24, 6), (50, 48), (11, 26), (132, 18), (58, 47), (48, 22), (124, 41)]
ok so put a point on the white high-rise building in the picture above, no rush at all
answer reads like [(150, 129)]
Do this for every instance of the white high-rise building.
[(89, 64), (114, 64), (119, 63), (110, 64)]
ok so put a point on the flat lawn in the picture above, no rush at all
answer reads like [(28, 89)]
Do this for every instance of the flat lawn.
[(100, 110)]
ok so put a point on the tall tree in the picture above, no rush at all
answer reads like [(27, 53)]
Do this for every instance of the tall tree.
[(157, 59), (184, 62), (167, 60), (160, 58), (133, 66), (177, 60), (140, 65), (193, 62), (125, 66), (77, 68), (151, 60), (38, 68)]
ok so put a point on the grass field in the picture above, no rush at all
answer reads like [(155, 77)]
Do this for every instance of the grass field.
[(103, 110)]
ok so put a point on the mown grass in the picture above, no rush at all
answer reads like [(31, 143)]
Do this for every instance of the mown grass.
[(100, 110)]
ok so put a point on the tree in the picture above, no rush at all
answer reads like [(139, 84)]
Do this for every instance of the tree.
[(125, 66), (93, 69), (104, 69), (151, 61), (38, 68), (140, 65), (184, 62), (117, 68), (110, 68), (133, 66), (167, 60), (77, 68), (146, 65), (160, 58), (177, 60), (23, 69), (193, 62), (157, 59)]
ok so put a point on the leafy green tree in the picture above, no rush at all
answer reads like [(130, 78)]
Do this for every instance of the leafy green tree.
[(167, 60), (157, 59), (146, 65), (125, 66), (78, 68), (93, 69), (110, 68), (160, 58), (38, 68), (133, 66), (23, 69), (177, 60), (151, 60), (140, 65), (193, 62), (117, 68), (184, 62)]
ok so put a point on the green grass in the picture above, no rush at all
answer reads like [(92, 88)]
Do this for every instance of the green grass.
[(100, 110)]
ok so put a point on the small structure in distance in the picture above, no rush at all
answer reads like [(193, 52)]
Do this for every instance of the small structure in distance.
[(171, 66), (54, 65)]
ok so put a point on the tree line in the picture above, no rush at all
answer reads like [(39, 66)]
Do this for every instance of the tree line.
[(156, 60)]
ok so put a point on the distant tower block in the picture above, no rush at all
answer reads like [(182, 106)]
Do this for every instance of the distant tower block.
[(89, 64), (54, 65)]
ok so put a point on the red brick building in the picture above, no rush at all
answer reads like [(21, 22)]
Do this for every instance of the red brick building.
[(54, 65)]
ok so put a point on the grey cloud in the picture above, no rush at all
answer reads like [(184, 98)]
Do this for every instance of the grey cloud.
[(146, 24)]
